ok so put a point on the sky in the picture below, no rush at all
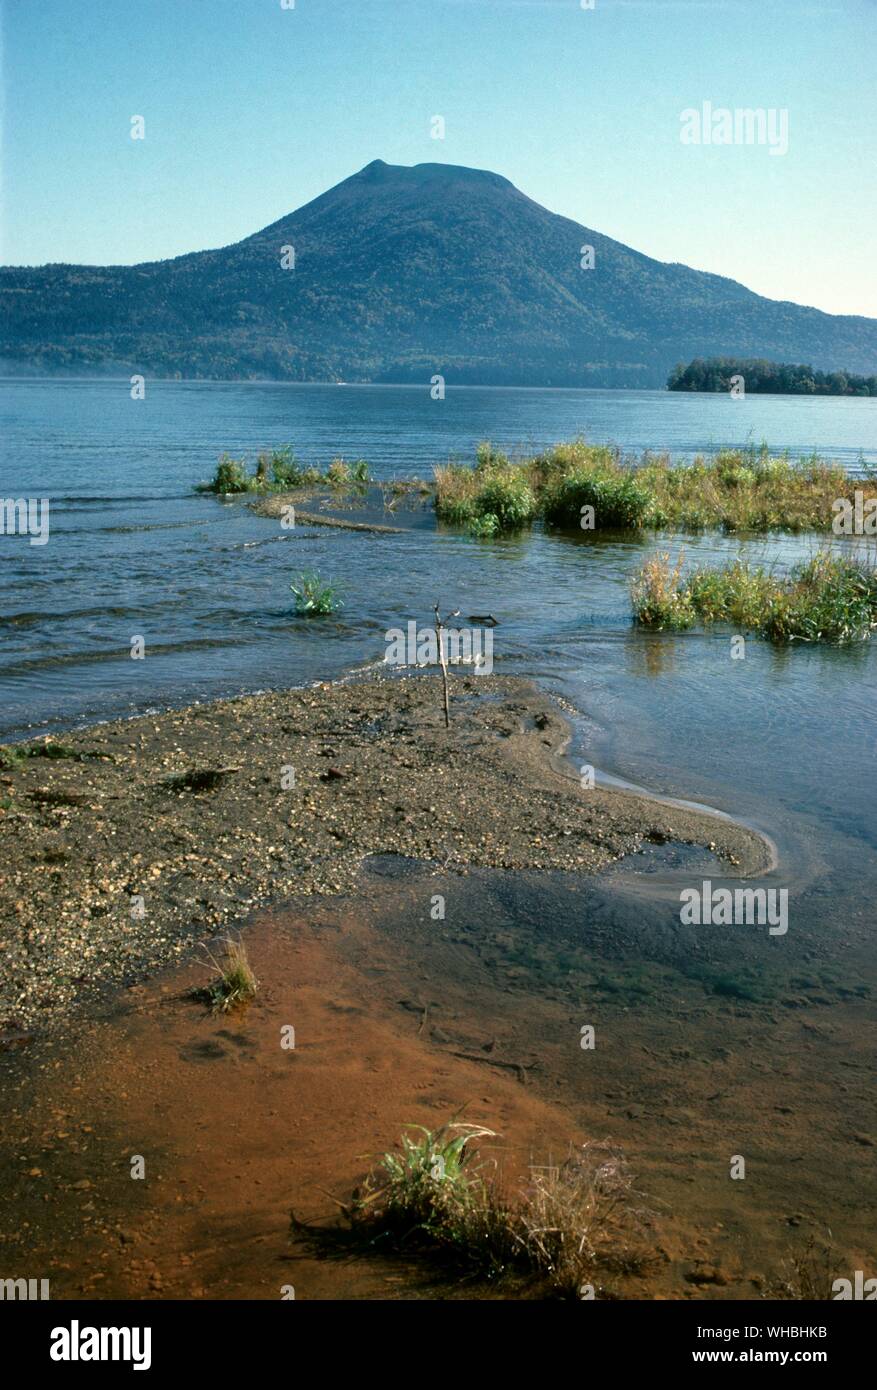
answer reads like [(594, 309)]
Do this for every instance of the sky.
[(252, 109)]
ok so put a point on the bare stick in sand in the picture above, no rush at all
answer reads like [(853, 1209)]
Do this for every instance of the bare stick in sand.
[(439, 632)]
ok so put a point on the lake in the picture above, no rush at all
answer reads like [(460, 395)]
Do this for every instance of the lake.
[(135, 552), (785, 739)]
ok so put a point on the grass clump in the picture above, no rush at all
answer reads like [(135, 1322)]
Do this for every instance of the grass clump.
[(340, 473), (618, 499), (284, 470), (314, 596), (277, 470), (495, 488), (231, 476), (745, 490), (235, 983), (487, 458), (827, 599), (660, 599), (571, 1220)]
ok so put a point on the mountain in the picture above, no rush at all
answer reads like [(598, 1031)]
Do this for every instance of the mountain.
[(401, 273)]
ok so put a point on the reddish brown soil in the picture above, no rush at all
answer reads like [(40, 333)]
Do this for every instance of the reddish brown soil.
[(235, 1131)]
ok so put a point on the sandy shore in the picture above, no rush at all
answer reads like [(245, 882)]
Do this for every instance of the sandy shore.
[(151, 831), (398, 1018)]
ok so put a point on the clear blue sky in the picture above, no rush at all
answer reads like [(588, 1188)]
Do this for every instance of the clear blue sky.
[(252, 110)]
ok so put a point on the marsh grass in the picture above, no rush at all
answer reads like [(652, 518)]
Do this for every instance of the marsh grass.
[(737, 490), (827, 599), (344, 474), (235, 983), (495, 496), (660, 599), (620, 501), (571, 1220), (316, 597), (277, 470)]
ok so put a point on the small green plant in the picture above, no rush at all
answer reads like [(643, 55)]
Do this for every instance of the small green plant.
[(13, 755), (484, 527), (338, 473), (315, 597), (572, 1219), (284, 469), (231, 476), (55, 750), (359, 471), (235, 984)]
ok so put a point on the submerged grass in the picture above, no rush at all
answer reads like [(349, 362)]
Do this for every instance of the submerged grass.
[(573, 1219), (736, 490), (827, 599)]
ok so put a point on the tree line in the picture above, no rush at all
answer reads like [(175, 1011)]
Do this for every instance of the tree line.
[(759, 375)]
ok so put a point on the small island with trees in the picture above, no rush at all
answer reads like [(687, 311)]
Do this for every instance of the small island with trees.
[(762, 377)]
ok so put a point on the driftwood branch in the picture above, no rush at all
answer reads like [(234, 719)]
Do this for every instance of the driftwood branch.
[(440, 634)]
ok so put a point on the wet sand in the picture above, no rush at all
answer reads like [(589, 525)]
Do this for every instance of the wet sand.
[(151, 830), (401, 1019), (707, 1046)]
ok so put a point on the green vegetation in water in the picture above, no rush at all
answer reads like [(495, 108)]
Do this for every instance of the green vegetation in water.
[(736, 490), (827, 599), (235, 983), (315, 597), (340, 473), (277, 471), (579, 486), (573, 1220)]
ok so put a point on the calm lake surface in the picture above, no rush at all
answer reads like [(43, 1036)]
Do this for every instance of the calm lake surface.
[(785, 738)]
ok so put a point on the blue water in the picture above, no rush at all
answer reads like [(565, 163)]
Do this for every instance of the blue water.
[(785, 737)]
